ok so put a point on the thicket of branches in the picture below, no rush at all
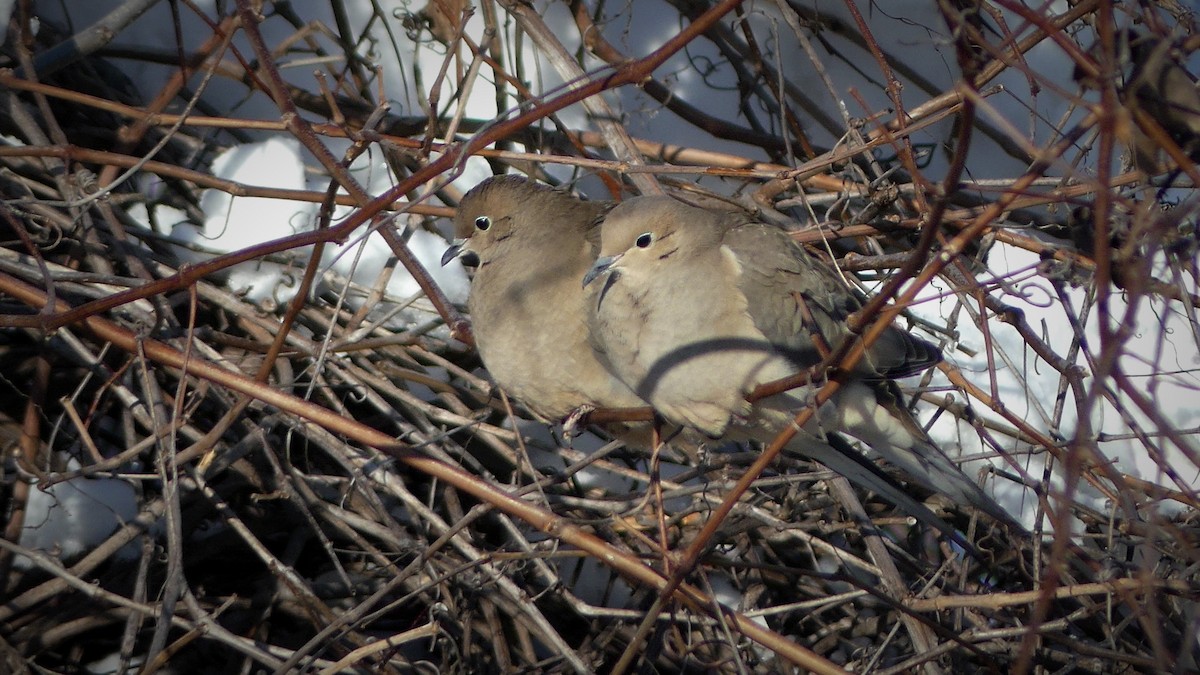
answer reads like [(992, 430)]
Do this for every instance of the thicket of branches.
[(320, 491)]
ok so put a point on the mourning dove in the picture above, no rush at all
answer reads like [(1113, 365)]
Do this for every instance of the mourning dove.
[(1158, 85), (694, 309), (1162, 87), (531, 244)]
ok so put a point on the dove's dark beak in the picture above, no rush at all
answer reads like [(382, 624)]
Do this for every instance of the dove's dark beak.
[(469, 258), (599, 267)]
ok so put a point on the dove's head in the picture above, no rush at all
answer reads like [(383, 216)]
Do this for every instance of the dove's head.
[(511, 213), (646, 233)]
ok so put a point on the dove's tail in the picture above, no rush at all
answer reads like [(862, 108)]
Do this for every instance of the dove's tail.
[(845, 461), (876, 418)]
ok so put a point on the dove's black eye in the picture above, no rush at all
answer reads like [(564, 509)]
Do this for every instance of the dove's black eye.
[(482, 223), (644, 239)]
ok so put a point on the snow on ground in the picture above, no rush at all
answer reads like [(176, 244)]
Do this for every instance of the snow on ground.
[(1162, 341), (70, 518)]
